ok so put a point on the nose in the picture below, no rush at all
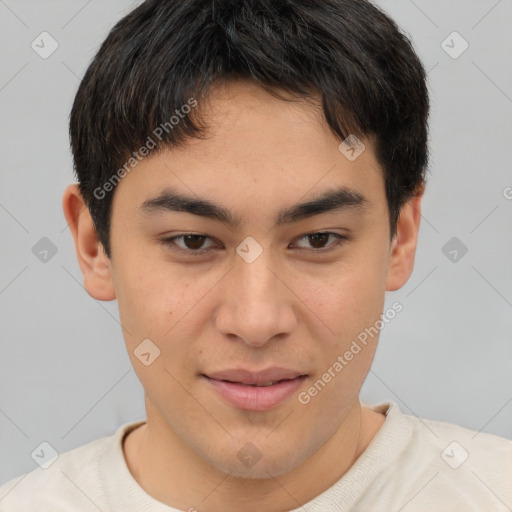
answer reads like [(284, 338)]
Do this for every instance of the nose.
[(256, 306)]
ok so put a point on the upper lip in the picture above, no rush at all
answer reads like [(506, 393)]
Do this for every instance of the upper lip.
[(250, 377)]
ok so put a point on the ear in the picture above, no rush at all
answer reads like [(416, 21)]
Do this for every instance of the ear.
[(403, 245), (94, 263)]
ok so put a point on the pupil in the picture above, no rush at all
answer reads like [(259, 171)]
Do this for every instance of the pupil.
[(315, 238), (197, 244)]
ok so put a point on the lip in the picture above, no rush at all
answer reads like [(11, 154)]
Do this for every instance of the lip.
[(243, 376), (239, 387)]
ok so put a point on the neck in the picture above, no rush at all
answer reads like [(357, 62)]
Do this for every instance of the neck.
[(173, 473)]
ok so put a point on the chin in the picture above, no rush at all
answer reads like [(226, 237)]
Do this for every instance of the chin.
[(249, 463), (262, 470)]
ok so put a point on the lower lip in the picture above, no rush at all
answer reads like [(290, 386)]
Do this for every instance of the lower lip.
[(256, 398)]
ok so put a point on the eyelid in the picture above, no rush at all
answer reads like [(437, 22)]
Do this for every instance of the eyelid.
[(169, 242), (339, 239)]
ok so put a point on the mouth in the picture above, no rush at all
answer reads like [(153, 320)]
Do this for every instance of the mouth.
[(255, 392), (264, 385)]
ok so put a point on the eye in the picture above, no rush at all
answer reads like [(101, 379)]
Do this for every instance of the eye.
[(193, 243), (318, 240)]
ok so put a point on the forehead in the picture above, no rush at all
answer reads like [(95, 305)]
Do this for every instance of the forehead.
[(258, 151)]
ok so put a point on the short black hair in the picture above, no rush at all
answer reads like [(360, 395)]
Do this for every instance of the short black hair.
[(166, 53)]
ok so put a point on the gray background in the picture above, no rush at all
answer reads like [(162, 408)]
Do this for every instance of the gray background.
[(64, 375)]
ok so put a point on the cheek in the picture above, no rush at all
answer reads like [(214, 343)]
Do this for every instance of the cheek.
[(346, 299), (167, 307), (349, 303), (350, 306), (153, 298)]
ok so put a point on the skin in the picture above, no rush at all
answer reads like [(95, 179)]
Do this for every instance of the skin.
[(288, 308)]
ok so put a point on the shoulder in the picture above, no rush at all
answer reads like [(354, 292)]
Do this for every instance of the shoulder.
[(434, 435), (473, 467), (462, 444), (73, 481)]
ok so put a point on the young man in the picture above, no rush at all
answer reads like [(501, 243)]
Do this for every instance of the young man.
[(250, 183)]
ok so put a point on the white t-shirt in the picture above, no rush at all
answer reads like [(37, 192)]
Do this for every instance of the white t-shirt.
[(411, 465)]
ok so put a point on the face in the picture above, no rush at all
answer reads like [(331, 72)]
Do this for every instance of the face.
[(289, 291)]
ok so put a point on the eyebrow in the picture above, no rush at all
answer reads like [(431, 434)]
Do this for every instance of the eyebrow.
[(334, 200)]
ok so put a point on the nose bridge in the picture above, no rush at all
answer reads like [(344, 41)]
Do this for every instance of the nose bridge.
[(257, 279), (254, 267), (255, 306), (256, 282)]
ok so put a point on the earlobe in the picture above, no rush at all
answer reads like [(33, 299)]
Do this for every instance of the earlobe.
[(403, 247), (94, 263)]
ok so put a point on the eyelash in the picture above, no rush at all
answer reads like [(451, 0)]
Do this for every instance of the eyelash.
[(169, 242)]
